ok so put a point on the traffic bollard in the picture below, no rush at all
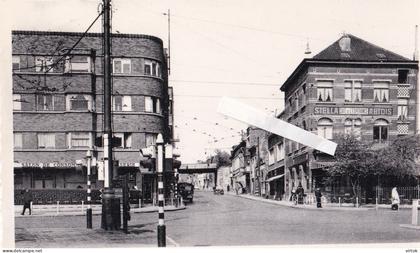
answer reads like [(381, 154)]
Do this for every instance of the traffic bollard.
[(339, 201), (414, 213), (83, 207), (357, 202), (58, 207)]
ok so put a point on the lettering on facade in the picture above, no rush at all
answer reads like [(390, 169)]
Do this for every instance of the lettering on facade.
[(49, 165), (127, 164), (377, 111)]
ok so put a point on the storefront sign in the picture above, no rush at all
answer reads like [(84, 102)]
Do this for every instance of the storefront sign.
[(128, 164), (47, 165), (322, 110)]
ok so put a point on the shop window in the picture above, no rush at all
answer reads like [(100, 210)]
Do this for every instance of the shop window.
[(352, 91), (324, 91), (271, 157), (46, 140), (121, 66), (402, 109), (80, 140), (325, 128), (380, 130), (121, 103), (381, 92)]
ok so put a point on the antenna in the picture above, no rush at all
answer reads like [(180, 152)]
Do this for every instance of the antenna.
[(416, 52)]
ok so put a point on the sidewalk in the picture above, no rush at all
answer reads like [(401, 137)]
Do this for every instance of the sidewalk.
[(76, 210), (325, 206)]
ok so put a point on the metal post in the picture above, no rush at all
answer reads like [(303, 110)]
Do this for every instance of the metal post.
[(58, 207), (339, 201), (109, 217), (161, 229), (176, 187), (89, 196), (125, 203)]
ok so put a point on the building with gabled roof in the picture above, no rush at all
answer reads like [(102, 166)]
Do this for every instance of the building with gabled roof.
[(352, 86)]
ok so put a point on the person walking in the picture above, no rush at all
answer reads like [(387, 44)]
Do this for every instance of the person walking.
[(395, 198), (27, 199), (300, 192), (318, 196)]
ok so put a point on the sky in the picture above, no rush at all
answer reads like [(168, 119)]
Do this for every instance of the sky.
[(237, 48)]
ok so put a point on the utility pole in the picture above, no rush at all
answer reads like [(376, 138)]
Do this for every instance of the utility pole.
[(169, 40), (109, 221), (161, 228)]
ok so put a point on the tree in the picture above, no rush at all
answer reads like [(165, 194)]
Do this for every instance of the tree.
[(354, 159), (221, 158), (399, 158)]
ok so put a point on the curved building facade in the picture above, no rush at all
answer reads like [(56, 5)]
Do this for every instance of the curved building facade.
[(58, 106)]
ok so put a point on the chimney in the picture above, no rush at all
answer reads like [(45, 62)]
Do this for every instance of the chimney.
[(345, 43)]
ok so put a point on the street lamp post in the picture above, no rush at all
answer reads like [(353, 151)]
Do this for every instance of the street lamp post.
[(89, 208)]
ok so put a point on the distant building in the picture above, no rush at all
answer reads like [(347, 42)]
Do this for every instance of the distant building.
[(352, 86), (58, 106)]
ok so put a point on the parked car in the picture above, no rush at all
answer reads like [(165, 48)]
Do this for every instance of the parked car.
[(186, 190), (218, 191)]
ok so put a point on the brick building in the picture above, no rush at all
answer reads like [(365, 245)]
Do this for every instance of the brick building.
[(351, 86), (58, 106)]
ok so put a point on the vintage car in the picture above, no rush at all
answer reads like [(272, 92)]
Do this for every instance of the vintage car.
[(186, 190)]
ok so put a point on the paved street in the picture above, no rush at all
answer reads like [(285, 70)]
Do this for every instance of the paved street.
[(216, 220)]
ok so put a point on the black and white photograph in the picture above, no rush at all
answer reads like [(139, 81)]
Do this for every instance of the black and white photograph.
[(240, 124)]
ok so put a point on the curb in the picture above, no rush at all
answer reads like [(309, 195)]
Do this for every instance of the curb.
[(94, 212), (304, 206)]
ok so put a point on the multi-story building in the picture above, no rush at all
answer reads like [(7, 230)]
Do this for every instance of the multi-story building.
[(354, 87), (275, 173), (58, 106), (240, 178)]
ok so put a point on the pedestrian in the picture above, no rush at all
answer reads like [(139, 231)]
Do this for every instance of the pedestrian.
[(293, 194), (300, 192), (395, 198), (318, 196), (27, 199)]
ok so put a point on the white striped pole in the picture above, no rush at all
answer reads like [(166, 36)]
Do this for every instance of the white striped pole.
[(89, 196), (176, 187), (161, 229)]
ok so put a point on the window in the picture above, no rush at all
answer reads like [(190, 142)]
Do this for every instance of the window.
[(402, 108), (325, 128), (353, 126), (152, 68), (79, 102), (77, 63), (125, 140), (271, 157), (352, 91), (380, 130), (43, 64), (121, 103), (381, 92), (46, 140), (121, 66), (79, 140), (151, 139), (17, 102), (15, 63), (45, 102), (324, 91), (280, 152), (152, 104), (17, 140), (403, 76)]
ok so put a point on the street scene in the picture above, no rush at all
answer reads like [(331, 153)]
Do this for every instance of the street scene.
[(226, 220), (197, 123)]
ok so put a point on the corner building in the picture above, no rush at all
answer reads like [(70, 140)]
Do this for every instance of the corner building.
[(354, 87), (58, 106)]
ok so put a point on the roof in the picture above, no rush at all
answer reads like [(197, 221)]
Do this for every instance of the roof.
[(349, 49), (359, 50)]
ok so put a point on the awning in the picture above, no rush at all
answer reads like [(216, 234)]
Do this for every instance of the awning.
[(274, 178)]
